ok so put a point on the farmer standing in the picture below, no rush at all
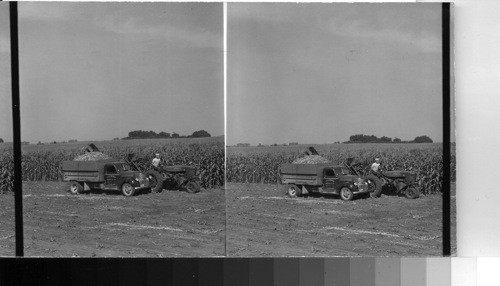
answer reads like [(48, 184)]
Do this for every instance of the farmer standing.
[(375, 166), (156, 161)]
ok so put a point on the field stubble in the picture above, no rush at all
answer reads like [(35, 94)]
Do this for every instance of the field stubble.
[(263, 221), (105, 224)]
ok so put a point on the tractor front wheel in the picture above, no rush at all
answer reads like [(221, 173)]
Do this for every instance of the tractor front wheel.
[(412, 193), (192, 187)]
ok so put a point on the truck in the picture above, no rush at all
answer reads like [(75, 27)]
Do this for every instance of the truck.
[(106, 174), (324, 178)]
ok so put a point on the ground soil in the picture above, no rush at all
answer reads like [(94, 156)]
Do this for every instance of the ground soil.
[(102, 224), (263, 221)]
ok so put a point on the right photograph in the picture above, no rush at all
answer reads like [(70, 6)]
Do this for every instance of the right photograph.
[(334, 130)]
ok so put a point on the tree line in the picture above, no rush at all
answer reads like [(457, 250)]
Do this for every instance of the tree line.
[(141, 134), (361, 138)]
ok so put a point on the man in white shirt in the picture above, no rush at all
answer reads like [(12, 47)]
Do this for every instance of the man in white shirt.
[(375, 166), (156, 161)]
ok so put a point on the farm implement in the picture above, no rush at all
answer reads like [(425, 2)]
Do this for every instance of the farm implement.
[(181, 177), (400, 182)]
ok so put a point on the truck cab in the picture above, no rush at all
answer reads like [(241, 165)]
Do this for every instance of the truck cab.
[(330, 180)]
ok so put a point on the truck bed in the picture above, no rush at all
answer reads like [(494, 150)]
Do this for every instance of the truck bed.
[(303, 174), (84, 171)]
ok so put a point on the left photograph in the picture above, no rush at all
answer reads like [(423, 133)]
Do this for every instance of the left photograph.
[(122, 123)]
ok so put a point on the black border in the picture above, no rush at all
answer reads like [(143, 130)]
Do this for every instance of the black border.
[(18, 184), (446, 129), (39, 268)]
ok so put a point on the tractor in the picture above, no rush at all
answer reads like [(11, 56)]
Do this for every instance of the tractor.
[(180, 177), (402, 182)]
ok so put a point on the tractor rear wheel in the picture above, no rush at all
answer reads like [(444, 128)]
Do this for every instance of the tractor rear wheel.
[(155, 181), (374, 185), (412, 193)]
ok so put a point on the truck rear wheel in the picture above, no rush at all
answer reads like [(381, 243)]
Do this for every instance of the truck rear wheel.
[(346, 194), (192, 187), (155, 180), (374, 185), (75, 188), (293, 191), (128, 190)]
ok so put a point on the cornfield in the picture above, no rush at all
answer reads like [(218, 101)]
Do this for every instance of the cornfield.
[(45, 165), (6, 171), (261, 164)]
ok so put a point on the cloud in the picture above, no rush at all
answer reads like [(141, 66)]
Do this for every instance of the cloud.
[(263, 12), (424, 41), (4, 45), (47, 11), (199, 38)]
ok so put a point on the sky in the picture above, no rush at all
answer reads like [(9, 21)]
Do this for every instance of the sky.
[(5, 79), (95, 71), (319, 73)]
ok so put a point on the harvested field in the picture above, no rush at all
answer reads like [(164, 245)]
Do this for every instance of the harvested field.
[(262, 221), (104, 224)]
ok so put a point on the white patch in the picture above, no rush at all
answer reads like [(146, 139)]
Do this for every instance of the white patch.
[(296, 200), (360, 231), (136, 226)]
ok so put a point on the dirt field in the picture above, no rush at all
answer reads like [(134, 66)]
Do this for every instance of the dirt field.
[(262, 221), (167, 224)]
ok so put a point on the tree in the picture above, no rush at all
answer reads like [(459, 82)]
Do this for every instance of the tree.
[(396, 140), (200, 133), (175, 135), (422, 139), (385, 139), (1, 140), (163, 135)]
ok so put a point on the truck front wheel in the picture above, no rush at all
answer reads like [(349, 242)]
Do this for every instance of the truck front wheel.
[(75, 188), (346, 194), (128, 190), (294, 191)]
